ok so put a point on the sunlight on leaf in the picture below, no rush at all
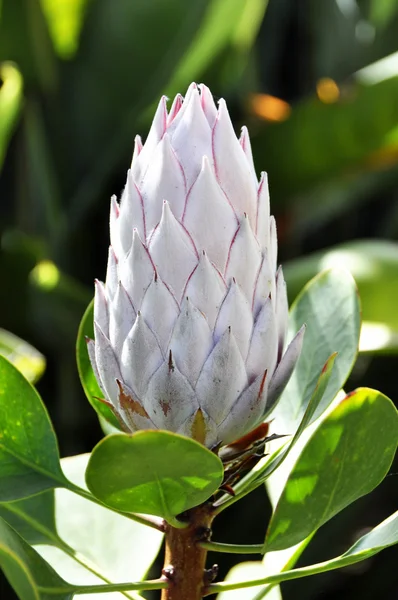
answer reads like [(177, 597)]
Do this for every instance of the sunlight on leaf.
[(65, 20), (344, 459), (22, 355), (152, 472), (10, 103)]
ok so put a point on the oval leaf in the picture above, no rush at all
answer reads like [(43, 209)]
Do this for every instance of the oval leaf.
[(29, 459), (86, 372), (329, 305), (345, 458), (154, 472), (321, 385), (374, 265)]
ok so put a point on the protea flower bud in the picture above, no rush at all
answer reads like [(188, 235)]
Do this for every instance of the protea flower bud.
[(190, 325)]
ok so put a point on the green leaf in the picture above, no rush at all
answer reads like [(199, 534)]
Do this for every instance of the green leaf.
[(29, 361), (65, 20), (315, 400), (264, 470), (329, 305), (381, 537), (374, 266), (10, 104), (29, 460), (30, 576), (223, 21), (61, 526), (33, 518), (17, 574), (382, 11), (86, 373), (153, 472), (345, 458)]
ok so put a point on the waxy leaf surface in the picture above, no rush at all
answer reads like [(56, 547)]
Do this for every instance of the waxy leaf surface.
[(345, 458), (29, 460), (153, 472), (329, 305)]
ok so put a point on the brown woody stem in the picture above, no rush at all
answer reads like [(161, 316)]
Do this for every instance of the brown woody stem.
[(185, 559)]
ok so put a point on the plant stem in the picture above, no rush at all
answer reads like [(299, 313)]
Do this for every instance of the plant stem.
[(185, 558), (233, 548), (154, 584)]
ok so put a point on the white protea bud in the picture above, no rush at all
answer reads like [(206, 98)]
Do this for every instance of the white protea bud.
[(190, 325)]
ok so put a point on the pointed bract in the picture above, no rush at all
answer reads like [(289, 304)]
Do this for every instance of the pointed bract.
[(140, 357), (222, 379), (164, 180), (169, 242), (244, 259), (169, 398), (209, 217), (191, 341), (285, 369), (232, 168)]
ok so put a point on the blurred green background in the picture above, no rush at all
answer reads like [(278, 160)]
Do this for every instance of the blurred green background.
[(315, 81)]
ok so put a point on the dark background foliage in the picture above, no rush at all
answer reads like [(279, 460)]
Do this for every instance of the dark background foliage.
[(79, 79)]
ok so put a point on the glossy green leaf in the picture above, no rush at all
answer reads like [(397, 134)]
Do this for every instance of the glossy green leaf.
[(329, 305), (345, 458), (29, 460), (374, 266), (269, 465), (86, 373), (315, 400), (30, 576), (10, 103), (382, 536), (153, 472), (22, 355), (379, 538)]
